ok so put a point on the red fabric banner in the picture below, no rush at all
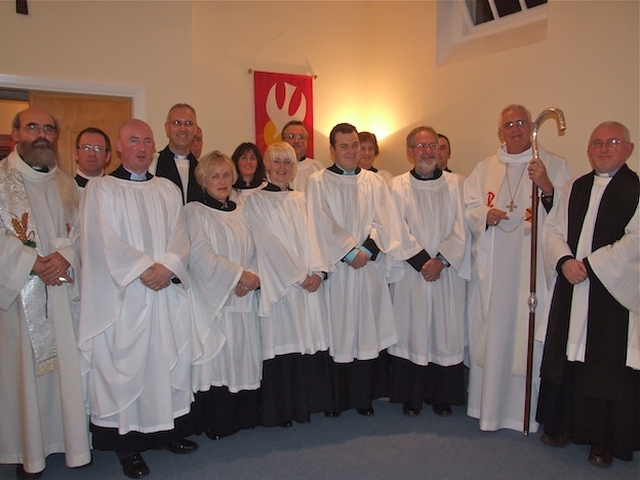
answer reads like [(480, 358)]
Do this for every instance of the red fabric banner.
[(280, 98)]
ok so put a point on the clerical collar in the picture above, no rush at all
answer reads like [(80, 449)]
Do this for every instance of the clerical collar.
[(517, 158), (242, 185), (137, 177), (125, 174), (437, 173), (226, 206), (39, 168), (272, 187), (177, 156), (335, 168), (80, 173), (607, 174)]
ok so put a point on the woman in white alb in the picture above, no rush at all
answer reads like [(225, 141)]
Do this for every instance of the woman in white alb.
[(227, 367)]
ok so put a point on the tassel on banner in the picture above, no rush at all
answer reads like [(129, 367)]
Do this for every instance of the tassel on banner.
[(21, 7)]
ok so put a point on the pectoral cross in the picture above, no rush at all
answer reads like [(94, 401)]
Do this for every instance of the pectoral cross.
[(511, 205)]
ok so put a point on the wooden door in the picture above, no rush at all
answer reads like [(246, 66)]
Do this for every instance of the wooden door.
[(75, 112)]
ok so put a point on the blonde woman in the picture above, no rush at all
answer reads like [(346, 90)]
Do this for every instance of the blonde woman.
[(296, 381), (227, 370)]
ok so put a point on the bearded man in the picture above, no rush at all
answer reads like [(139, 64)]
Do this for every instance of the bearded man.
[(41, 396)]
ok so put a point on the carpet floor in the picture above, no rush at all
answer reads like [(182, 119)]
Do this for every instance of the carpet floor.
[(388, 445)]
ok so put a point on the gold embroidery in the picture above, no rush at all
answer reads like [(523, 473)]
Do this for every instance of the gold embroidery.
[(21, 227)]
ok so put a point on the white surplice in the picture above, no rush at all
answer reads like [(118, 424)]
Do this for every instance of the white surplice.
[(387, 175), (240, 195), (137, 341), (499, 288), (45, 414), (616, 265), (344, 210), (293, 320), (227, 328), (430, 316), (304, 169)]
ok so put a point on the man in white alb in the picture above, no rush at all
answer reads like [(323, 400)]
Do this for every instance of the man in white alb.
[(498, 210), (429, 301), (41, 390), (360, 236), (135, 326)]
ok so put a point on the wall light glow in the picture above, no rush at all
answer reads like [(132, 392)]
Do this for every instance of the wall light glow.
[(379, 123)]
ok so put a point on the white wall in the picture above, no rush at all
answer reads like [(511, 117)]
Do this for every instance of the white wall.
[(375, 63), (131, 43)]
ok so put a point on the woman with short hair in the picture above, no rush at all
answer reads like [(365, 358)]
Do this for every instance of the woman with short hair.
[(222, 266), (293, 319)]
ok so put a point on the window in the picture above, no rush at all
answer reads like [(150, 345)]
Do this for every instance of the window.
[(483, 11), (471, 28)]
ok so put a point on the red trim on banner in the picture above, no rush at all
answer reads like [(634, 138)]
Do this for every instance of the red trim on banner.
[(280, 98)]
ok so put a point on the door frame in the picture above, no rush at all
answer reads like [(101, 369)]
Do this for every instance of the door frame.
[(137, 94)]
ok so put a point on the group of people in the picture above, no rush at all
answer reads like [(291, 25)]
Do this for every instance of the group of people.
[(185, 293)]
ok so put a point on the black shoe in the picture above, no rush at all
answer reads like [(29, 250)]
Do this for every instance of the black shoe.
[(561, 439), (600, 457), (441, 408), (365, 412), (21, 473), (134, 466), (407, 409), (286, 424), (181, 446), (211, 434), (329, 414)]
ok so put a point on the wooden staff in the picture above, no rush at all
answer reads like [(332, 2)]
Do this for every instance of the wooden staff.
[(532, 301)]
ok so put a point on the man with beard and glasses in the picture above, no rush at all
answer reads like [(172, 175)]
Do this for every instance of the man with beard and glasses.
[(429, 300), (41, 396)]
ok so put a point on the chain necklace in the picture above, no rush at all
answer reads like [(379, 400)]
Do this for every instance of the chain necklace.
[(511, 205), (513, 229)]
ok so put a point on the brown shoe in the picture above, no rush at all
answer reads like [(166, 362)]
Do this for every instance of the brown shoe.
[(600, 457), (561, 439)]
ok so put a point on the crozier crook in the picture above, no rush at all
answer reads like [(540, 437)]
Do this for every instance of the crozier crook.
[(532, 301)]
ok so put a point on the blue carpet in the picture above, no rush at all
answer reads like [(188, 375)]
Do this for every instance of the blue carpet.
[(386, 446)]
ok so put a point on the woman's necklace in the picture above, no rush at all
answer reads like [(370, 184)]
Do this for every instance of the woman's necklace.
[(511, 205)]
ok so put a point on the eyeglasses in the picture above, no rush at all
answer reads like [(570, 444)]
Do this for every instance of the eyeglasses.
[(424, 146), (519, 123), (610, 143), (96, 148), (180, 123), (35, 128), (295, 136)]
